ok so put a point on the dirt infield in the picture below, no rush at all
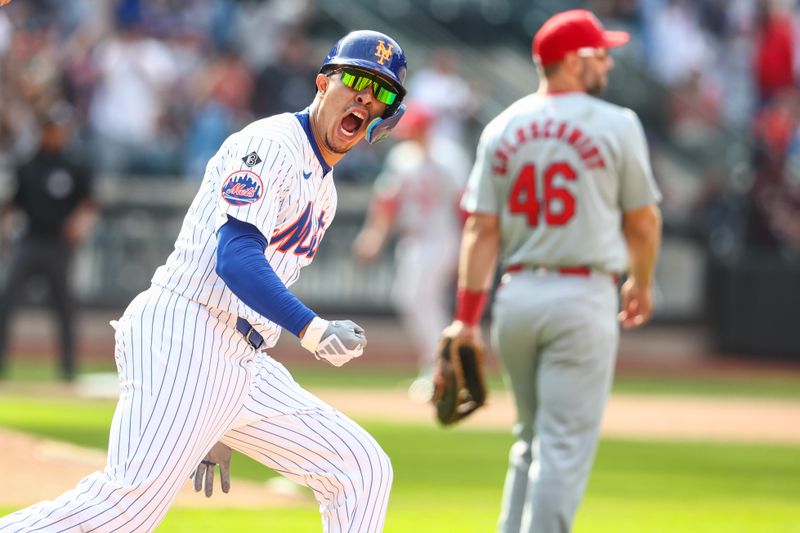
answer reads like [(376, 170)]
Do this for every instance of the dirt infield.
[(627, 416), (46, 468)]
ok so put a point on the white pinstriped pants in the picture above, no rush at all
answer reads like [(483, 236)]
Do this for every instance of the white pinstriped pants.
[(189, 379)]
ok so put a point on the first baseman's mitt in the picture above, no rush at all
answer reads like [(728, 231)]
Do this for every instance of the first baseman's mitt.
[(460, 387)]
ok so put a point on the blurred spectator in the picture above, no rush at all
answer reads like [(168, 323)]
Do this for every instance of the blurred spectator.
[(622, 11), (714, 17), (417, 196), (734, 65), (287, 85), (223, 90), (678, 44), (53, 192), (29, 76), (134, 75), (693, 114), (714, 217), (78, 72), (441, 87), (260, 26), (774, 63), (775, 195), (134, 71), (5, 34)]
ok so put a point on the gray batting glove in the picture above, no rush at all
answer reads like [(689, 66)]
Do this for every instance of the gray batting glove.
[(220, 455), (337, 341)]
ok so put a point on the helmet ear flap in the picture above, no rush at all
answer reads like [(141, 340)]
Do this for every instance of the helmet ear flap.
[(381, 127), (395, 108)]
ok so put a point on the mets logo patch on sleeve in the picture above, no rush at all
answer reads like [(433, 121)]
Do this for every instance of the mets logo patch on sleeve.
[(242, 187)]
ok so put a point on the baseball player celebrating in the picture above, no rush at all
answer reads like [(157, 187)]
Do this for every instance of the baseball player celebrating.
[(562, 194), (190, 349)]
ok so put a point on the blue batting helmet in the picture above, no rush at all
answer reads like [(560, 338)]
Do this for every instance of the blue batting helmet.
[(378, 53), (369, 50)]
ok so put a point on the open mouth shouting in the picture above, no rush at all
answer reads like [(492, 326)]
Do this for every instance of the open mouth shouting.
[(352, 123)]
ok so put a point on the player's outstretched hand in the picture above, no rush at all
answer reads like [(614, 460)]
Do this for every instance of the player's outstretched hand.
[(337, 341), (220, 455)]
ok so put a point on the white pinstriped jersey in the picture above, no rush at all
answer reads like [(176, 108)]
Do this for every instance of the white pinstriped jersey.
[(559, 170), (269, 174)]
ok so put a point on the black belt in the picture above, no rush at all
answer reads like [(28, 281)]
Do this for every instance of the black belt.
[(253, 337)]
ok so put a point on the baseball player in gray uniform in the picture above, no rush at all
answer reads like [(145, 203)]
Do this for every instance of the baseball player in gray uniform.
[(562, 196), (190, 350)]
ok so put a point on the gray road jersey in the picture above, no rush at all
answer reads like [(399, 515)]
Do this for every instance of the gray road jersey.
[(559, 170)]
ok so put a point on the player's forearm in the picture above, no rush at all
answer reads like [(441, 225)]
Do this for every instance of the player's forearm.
[(376, 231), (378, 227), (480, 245), (80, 222), (244, 269), (642, 230)]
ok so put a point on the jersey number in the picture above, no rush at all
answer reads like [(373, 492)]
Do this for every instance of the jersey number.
[(523, 199)]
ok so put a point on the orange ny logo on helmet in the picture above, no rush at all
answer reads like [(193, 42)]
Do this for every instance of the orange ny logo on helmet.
[(383, 52)]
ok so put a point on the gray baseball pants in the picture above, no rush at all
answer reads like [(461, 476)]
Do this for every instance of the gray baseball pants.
[(557, 336)]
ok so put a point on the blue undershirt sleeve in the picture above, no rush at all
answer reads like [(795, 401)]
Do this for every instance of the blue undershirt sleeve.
[(245, 270)]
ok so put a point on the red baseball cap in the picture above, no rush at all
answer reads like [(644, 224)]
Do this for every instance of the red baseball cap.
[(570, 31)]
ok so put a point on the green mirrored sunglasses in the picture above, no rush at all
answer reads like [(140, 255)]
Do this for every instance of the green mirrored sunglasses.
[(358, 80)]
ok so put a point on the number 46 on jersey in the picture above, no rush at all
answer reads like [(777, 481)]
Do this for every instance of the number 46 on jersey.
[(523, 199)]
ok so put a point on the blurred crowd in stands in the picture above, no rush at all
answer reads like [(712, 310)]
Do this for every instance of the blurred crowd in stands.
[(156, 85), (730, 70)]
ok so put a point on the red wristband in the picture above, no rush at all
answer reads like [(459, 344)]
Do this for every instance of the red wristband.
[(469, 305)]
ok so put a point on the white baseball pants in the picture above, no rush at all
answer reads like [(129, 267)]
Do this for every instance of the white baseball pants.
[(188, 379)]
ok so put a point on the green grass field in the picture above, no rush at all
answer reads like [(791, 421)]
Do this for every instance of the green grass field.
[(450, 480)]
